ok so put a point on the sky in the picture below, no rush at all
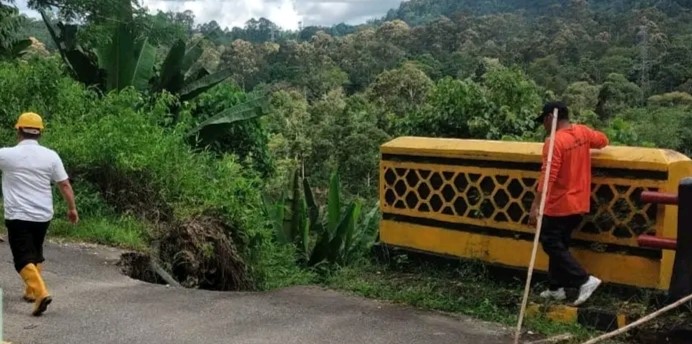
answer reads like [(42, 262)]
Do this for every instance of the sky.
[(285, 13)]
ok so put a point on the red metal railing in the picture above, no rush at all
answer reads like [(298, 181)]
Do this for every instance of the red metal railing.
[(651, 241), (659, 197)]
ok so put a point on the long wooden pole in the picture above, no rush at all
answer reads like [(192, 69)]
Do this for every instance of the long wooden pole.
[(641, 321), (538, 226)]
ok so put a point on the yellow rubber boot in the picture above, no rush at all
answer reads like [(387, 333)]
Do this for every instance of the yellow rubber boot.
[(33, 279), (29, 293)]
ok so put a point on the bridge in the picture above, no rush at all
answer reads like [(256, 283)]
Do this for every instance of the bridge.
[(471, 199)]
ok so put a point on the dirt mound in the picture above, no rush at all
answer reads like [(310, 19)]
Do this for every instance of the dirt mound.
[(199, 252)]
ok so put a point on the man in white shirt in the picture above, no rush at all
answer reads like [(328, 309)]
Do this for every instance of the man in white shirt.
[(28, 169)]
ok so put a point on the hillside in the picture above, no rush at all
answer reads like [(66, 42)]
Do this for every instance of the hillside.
[(260, 142), (419, 11)]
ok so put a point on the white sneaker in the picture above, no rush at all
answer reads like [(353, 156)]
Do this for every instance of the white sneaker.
[(587, 289), (555, 294)]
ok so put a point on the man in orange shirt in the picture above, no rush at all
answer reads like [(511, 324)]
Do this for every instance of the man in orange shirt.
[(567, 200)]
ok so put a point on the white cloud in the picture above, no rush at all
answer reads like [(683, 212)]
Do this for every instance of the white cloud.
[(285, 13), (21, 4)]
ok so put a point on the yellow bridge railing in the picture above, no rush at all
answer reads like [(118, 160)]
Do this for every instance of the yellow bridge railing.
[(471, 199)]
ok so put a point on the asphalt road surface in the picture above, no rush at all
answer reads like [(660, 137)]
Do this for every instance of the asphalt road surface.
[(94, 303)]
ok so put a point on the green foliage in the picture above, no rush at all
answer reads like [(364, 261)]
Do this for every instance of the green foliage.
[(662, 126), (346, 137), (226, 120), (620, 132), (15, 50), (671, 99), (174, 75), (503, 104), (126, 164), (581, 97), (402, 90), (321, 101), (515, 99), (11, 46), (617, 94), (37, 86), (336, 236), (127, 59), (452, 105)]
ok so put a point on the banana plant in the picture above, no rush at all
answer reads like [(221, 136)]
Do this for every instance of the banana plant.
[(125, 60), (175, 77), (129, 60), (250, 109), (339, 236)]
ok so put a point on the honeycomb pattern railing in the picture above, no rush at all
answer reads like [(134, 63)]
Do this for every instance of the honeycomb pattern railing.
[(471, 199), (502, 199)]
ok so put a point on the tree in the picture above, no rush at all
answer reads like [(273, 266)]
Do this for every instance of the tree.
[(581, 96), (11, 46), (402, 90), (242, 60), (91, 11), (515, 99), (616, 94), (451, 106)]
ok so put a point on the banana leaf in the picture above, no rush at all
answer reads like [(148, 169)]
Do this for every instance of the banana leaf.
[(313, 217), (350, 235), (275, 214), (83, 66), (297, 212), (336, 245), (365, 237), (144, 68), (118, 57), (250, 109), (321, 250), (171, 79), (127, 68), (198, 86), (191, 56), (333, 205)]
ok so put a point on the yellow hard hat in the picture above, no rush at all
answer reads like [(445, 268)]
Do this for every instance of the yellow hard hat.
[(29, 120)]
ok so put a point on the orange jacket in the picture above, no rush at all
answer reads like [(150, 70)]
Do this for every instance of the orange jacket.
[(569, 183)]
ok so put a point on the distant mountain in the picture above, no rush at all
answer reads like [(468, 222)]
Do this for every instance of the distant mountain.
[(416, 12)]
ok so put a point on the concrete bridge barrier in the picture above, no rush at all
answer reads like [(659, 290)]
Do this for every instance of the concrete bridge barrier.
[(471, 199)]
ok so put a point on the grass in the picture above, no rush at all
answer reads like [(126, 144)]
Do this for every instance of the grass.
[(123, 233), (464, 290)]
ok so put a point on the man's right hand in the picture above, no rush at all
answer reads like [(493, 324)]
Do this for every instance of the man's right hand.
[(73, 216)]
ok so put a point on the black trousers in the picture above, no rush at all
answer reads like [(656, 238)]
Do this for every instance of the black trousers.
[(563, 270), (26, 241)]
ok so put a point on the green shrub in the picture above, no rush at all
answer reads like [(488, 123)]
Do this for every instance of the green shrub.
[(330, 234), (124, 165), (39, 86), (247, 139)]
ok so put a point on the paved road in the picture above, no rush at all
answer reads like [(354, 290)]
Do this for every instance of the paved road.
[(94, 303)]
